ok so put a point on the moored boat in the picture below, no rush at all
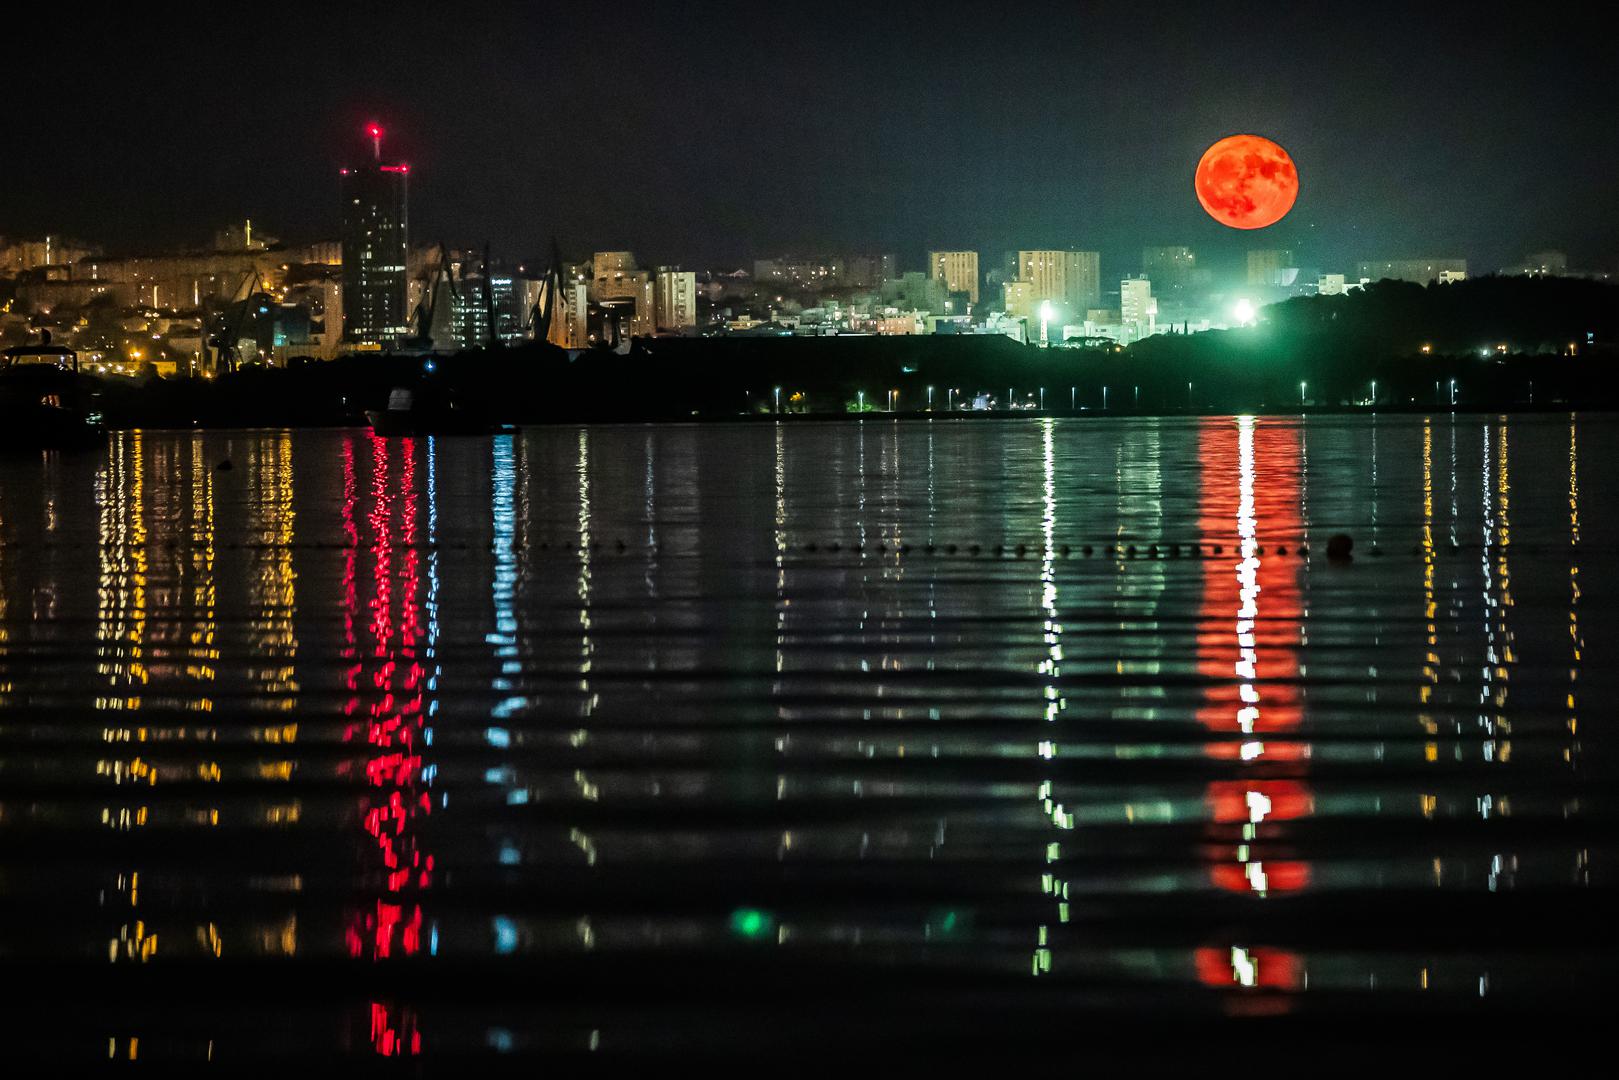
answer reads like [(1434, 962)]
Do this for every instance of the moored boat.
[(45, 403), (409, 415)]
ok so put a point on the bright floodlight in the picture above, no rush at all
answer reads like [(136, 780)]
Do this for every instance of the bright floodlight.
[(1244, 311), (1045, 310)]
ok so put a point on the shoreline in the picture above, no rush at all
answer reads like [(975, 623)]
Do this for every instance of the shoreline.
[(971, 417)]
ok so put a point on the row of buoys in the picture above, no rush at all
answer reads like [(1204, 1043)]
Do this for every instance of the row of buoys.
[(1339, 547), (1128, 551)]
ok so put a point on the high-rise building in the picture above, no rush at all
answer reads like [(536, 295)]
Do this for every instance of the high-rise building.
[(915, 292), (1169, 268), (618, 286), (604, 263), (957, 269), (375, 238), (1420, 271), (1072, 279), (1138, 309), (1271, 266), (676, 299)]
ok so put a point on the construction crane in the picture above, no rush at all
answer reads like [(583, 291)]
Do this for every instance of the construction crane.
[(227, 342), (543, 314), (489, 301), (421, 320)]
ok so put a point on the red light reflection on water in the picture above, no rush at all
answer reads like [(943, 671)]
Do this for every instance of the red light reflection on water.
[(386, 682), (1248, 654)]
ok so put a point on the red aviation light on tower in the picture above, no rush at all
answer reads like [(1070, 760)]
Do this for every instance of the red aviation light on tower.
[(375, 131)]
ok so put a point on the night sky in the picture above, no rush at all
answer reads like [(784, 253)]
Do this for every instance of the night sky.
[(711, 133)]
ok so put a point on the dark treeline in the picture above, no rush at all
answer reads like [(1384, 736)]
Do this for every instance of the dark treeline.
[(1557, 335)]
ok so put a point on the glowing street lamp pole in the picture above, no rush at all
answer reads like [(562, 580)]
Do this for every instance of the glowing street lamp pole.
[(778, 398), (1301, 395)]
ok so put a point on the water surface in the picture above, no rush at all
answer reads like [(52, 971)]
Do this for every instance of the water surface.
[(744, 739)]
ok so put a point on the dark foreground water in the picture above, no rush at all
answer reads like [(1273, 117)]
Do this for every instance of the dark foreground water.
[(1024, 736)]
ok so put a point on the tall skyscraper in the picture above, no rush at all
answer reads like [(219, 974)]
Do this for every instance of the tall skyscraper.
[(1072, 279), (957, 269), (375, 239)]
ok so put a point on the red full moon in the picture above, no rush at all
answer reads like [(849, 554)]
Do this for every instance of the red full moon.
[(1246, 182)]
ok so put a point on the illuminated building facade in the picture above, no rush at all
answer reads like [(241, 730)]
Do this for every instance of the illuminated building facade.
[(375, 241), (1138, 308), (617, 284), (676, 297), (1072, 279), (957, 269), (1018, 298)]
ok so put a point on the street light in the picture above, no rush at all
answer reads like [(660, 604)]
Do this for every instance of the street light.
[(930, 399), (778, 398), (1244, 311), (1045, 320), (1301, 395), (1453, 393)]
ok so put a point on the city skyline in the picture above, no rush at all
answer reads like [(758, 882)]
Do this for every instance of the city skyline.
[(744, 146)]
